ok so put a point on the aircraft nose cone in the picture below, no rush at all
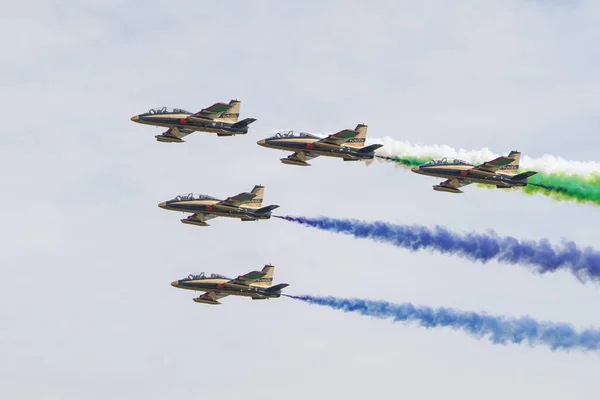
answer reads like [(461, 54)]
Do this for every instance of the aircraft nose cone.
[(261, 142), (135, 118), (163, 204), (174, 283), (415, 169)]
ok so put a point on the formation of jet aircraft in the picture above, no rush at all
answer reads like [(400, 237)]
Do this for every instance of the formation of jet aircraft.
[(220, 118), (347, 144), (247, 206), (254, 284), (500, 172)]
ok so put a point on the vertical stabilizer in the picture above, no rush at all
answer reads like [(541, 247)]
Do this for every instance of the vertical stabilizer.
[(358, 141), (232, 114), (513, 167), (256, 202), (267, 280)]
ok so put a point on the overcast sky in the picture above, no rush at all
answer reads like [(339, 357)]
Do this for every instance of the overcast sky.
[(86, 306)]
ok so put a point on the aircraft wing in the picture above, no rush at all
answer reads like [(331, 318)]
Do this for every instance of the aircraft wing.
[(299, 157), (247, 279), (454, 183), (492, 166), (212, 112), (198, 219), (338, 138), (177, 133), (235, 201), (210, 297)]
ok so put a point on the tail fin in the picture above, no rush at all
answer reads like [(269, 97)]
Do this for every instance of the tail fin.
[(267, 280), (358, 141), (243, 123), (524, 175), (231, 114), (513, 167), (256, 202)]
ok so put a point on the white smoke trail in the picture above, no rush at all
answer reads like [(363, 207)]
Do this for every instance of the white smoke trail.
[(547, 163)]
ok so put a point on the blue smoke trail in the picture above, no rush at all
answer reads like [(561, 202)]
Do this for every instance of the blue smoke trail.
[(500, 330), (483, 247)]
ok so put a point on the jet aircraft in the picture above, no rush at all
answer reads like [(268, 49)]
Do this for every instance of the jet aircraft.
[(501, 172), (347, 144), (246, 206), (220, 118), (255, 284)]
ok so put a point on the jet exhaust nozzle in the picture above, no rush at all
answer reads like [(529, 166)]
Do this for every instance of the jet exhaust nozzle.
[(448, 189)]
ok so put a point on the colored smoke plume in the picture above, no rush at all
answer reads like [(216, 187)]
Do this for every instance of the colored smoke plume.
[(541, 255), (498, 329)]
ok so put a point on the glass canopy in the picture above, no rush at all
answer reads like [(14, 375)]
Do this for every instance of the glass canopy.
[(445, 160), (168, 110), (291, 134), (206, 275), (193, 196)]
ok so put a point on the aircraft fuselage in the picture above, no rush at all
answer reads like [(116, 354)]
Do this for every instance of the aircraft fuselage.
[(462, 174), (310, 145), (221, 286), (208, 207), (188, 122)]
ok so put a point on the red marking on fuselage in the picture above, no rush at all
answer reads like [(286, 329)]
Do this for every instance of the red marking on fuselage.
[(183, 121), (310, 145), (465, 172), (209, 207), (220, 286)]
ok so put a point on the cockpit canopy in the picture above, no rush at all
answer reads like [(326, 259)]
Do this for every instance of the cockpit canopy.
[(452, 161), (206, 275), (292, 134), (167, 110), (193, 196)]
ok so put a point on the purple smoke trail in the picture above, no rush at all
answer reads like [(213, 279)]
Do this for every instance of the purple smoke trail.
[(500, 330), (583, 263)]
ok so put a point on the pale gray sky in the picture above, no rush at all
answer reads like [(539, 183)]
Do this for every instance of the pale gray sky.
[(87, 310)]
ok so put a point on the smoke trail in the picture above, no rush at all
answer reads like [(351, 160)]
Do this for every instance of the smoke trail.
[(562, 187), (483, 247), (548, 164), (499, 330)]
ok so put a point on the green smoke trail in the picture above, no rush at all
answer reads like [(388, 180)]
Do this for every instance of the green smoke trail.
[(566, 187), (560, 187)]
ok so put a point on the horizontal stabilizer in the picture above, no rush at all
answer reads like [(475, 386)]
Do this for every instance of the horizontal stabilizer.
[(277, 288), (524, 175), (370, 148), (266, 209), (243, 123)]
